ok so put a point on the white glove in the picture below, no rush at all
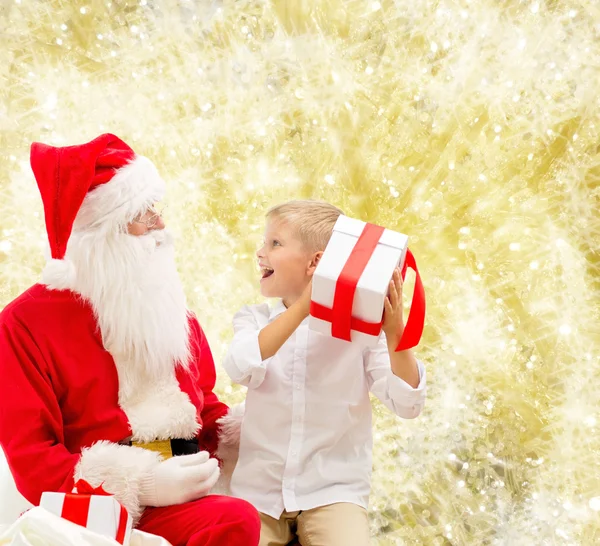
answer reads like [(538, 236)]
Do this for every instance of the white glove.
[(179, 479)]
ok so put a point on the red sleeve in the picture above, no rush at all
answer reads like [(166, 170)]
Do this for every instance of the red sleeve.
[(31, 431), (213, 408)]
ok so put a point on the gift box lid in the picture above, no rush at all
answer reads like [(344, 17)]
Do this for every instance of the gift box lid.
[(354, 227)]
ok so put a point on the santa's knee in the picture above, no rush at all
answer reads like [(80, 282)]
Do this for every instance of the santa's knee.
[(245, 514), (240, 516)]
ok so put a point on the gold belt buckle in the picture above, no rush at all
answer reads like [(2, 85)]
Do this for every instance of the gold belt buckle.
[(161, 446)]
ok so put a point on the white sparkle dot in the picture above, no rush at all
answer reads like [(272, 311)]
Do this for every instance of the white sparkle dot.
[(376, 6), (565, 329), (590, 421), (329, 179), (83, 10), (535, 7), (369, 70), (434, 47), (134, 29), (534, 265), (514, 246), (594, 504), (461, 483), (451, 165)]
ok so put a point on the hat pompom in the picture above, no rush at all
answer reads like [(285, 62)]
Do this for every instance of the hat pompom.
[(59, 274)]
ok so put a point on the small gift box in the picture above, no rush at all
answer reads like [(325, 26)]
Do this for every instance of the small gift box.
[(352, 279), (93, 508)]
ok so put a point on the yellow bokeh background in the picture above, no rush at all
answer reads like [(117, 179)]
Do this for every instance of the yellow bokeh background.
[(473, 126)]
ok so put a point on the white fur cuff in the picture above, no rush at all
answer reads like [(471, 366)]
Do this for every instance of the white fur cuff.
[(230, 427), (120, 470)]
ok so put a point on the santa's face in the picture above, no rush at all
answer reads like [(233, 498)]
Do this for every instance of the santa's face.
[(148, 220), (132, 283)]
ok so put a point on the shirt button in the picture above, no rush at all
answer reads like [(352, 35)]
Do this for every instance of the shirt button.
[(297, 386), (294, 454)]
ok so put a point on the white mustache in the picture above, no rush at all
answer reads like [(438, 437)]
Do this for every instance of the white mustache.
[(154, 239)]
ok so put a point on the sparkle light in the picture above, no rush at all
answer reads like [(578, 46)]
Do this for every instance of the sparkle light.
[(483, 122)]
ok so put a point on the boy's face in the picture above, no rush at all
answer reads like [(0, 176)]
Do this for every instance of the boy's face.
[(284, 263)]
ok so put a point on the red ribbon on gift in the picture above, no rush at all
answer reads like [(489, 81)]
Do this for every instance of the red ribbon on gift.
[(340, 315), (77, 506)]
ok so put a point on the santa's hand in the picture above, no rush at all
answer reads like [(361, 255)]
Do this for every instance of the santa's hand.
[(179, 479)]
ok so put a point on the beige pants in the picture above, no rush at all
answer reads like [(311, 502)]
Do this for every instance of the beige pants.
[(340, 524)]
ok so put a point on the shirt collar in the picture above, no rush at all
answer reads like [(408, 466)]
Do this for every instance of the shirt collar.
[(277, 309)]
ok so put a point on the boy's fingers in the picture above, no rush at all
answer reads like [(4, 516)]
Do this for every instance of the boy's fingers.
[(393, 294)]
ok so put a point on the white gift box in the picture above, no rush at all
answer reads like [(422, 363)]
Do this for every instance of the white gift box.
[(389, 252), (98, 513)]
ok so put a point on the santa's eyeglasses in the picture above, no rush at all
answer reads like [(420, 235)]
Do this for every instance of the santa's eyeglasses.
[(153, 219)]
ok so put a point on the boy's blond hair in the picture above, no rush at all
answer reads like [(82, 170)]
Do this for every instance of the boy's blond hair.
[(312, 221)]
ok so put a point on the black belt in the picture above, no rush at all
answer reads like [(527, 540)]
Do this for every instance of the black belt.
[(168, 448)]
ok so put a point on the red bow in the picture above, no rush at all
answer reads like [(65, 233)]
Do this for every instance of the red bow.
[(84, 488)]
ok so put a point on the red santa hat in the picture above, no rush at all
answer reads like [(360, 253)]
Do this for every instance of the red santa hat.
[(99, 185)]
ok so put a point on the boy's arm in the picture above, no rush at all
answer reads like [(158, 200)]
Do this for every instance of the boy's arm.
[(274, 335), (395, 393), (253, 347)]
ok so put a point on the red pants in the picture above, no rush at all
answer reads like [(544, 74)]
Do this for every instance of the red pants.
[(210, 521)]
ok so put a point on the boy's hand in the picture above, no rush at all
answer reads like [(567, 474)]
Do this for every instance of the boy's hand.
[(393, 320)]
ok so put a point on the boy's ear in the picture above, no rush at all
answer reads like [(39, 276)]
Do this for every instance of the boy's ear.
[(314, 261)]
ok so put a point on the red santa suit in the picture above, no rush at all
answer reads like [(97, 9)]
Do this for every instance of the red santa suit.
[(71, 409)]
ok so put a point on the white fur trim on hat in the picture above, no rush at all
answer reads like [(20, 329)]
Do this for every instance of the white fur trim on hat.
[(132, 189), (59, 274)]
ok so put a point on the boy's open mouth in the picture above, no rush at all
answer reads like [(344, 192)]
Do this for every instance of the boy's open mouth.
[(266, 272)]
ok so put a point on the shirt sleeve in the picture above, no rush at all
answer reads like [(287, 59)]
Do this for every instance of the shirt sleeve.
[(31, 430), (395, 393), (243, 362)]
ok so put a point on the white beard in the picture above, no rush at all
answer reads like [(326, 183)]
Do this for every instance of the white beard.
[(137, 297)]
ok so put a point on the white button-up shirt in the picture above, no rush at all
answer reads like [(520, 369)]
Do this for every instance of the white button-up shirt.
[(306, 438)]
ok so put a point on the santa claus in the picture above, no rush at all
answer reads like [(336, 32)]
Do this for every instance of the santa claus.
[(106, 375)]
